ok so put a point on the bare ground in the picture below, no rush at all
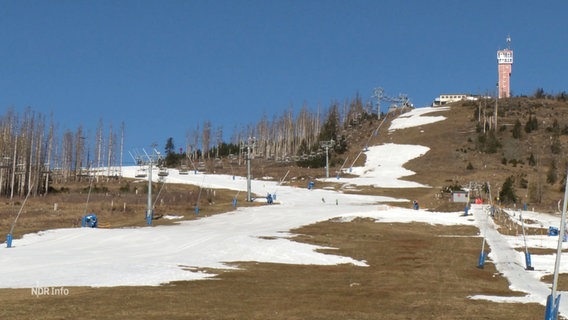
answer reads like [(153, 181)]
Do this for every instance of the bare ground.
[(416, 271)]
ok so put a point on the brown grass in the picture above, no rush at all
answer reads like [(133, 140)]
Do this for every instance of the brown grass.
[(416, 271), (116, 203)]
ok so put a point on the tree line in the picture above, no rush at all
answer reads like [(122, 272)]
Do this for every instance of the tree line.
[(283, 137), (35, 152)]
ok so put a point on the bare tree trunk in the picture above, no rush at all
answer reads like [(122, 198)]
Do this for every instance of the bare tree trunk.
[(206, 138), (99, 144), (219, 139), (49, 149), (79, 147), (121, 147), (67, 155), (110, 141), (14, 167)]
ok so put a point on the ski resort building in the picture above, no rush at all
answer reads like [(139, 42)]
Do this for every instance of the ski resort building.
[(449, 98)]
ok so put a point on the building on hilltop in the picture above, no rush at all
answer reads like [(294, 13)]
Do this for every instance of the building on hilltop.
[(449, 98), (505, 66)]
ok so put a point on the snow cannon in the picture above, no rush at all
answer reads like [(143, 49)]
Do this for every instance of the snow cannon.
[(149, 217), (311, 185), (9, 240), (481, 261), (196, 210), (551, 311), (89, 221), (528, 261), (415, 205), (466, 210), (234, 202), (552, 231)]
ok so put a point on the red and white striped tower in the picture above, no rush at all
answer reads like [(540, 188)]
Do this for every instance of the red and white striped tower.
[(505, 66)]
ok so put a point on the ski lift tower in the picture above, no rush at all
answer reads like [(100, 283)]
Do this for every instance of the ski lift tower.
[(401, 101), (327, 145), (378, 94), (249, 145), (149, 209)]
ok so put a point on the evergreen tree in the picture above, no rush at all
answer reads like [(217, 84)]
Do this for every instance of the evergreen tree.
[(532, 160), (556, 147), (539, 93), (172, 159), (531, 125), (551, 176), (169, 146), (488, 142), (330, 128), (507, 193), (517, 129)]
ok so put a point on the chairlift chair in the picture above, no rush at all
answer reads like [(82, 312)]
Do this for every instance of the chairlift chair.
[(163, 172), (140, 173)]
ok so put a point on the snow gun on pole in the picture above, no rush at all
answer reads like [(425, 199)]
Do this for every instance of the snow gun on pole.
[(9, 236), (483, 254), (553, 301), (527, 253), (199, 196), (280, 183)]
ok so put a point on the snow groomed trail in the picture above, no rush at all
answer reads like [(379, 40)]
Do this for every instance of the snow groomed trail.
[(511, 262), (162, 254)]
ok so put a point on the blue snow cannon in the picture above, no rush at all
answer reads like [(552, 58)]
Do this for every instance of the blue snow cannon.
[(311, 185), (89, 221), (9, 240)]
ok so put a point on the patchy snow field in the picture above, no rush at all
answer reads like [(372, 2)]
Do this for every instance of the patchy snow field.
[(156, 255)]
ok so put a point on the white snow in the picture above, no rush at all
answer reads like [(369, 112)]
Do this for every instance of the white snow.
[(157, 255), (511, 263), (172, 217), (416, 118), (383, 166)]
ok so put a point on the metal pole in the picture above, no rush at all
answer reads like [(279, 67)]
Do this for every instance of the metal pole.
[(13, 169), (250, 144), (527, 253), (496, 107), (149, 210), (327, 161), (552, 299), (249, 198), (327, 145)]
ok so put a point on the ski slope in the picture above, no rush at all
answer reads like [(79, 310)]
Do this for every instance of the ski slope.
[(162, 254)]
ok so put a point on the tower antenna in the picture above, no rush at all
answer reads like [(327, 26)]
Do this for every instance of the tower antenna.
[(508, 42)]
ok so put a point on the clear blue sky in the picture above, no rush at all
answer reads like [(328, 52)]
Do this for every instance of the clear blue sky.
[(163, 67)]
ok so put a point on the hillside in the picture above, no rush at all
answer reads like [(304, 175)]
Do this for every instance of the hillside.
[(459, 156), (295, 259), (460, 153)]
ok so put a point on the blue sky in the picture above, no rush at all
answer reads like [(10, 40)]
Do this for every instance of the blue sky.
[(164, 67)]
